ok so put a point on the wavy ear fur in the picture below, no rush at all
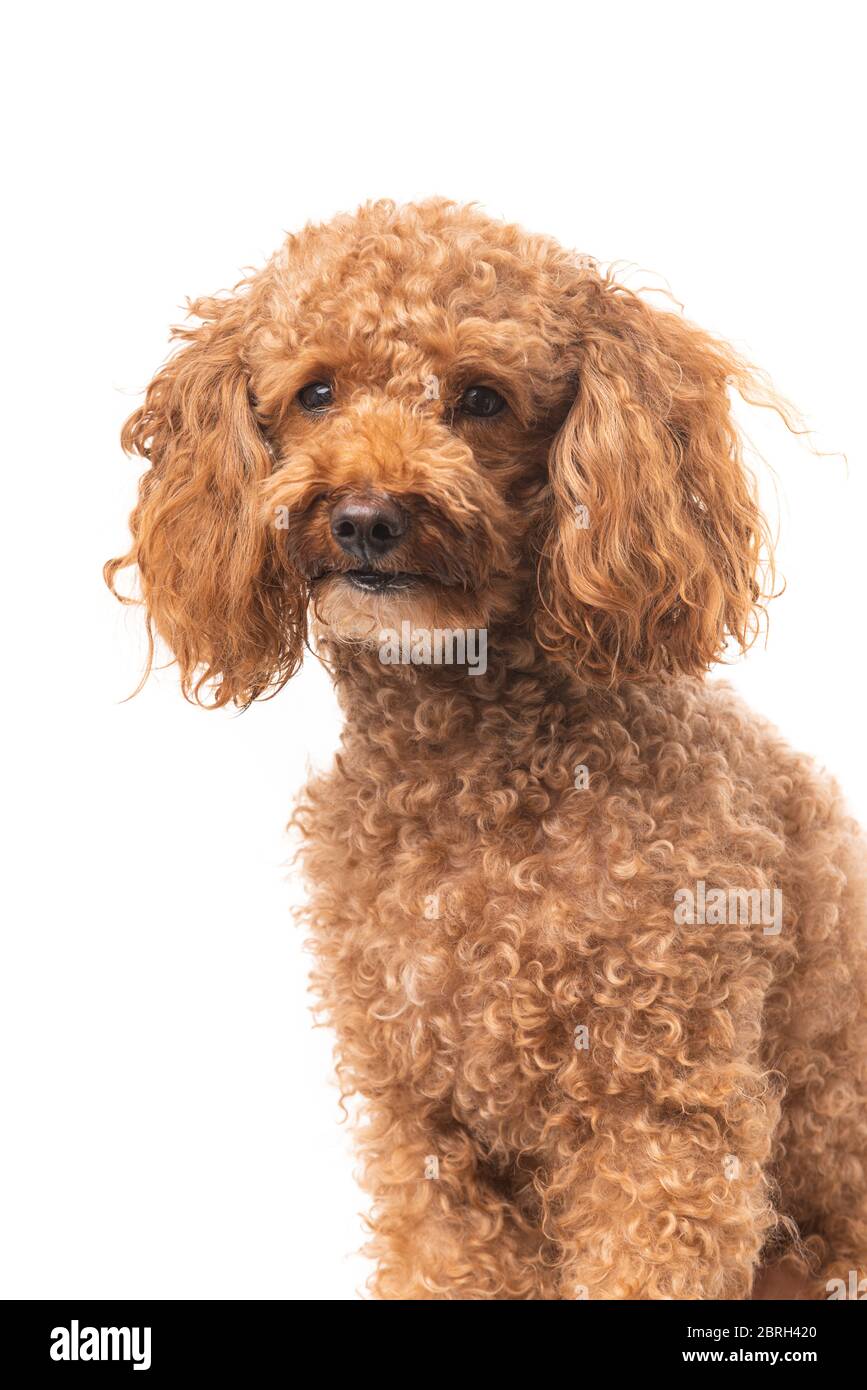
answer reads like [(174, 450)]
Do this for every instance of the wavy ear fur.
[(657, 543), (210, 576)]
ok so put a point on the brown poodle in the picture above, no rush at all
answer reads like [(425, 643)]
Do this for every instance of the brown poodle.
[(590, 935)]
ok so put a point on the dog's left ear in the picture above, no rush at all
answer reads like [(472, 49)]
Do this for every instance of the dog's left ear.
[(656, 540)]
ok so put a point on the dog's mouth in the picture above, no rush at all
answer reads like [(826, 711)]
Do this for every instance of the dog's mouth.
[(375, 581)]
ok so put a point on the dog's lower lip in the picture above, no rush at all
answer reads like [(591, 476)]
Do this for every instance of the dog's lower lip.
[(377, 581)]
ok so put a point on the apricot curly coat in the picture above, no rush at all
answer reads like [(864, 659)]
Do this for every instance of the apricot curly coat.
[(474, 904)]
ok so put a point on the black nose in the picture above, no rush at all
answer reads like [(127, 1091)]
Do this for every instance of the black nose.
[(367, 526)]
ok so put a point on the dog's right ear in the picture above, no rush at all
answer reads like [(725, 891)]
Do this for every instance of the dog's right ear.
[(210, 573)]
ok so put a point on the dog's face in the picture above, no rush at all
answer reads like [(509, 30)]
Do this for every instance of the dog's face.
[(422, 414), (409, 386)]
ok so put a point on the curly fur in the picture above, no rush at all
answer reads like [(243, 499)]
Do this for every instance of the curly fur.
[(561, 1171)]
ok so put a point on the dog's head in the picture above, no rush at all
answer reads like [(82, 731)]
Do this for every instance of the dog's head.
[(424, 414)]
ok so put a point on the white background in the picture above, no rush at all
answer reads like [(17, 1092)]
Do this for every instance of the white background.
[(170, 1127)]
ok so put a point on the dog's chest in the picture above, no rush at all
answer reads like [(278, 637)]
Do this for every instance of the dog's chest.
[(485, 1019), (443, 925), (443, 961)]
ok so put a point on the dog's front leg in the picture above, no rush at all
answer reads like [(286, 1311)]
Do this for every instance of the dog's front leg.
[(442, 1226), (668, 1199)]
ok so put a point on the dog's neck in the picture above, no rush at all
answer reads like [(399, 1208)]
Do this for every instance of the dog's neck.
[(439, 708)]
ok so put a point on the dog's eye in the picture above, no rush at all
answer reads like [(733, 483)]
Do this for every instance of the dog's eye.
[(481, 401), (316, 395)]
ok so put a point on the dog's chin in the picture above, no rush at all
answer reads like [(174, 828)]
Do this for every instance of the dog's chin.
[(359, 606)]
